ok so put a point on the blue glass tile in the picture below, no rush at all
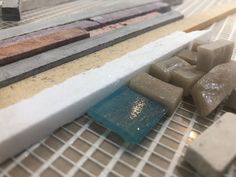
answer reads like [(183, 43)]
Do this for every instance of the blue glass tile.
[(128, 114)]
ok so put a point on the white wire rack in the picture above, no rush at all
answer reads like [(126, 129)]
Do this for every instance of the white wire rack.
[(83, 148)]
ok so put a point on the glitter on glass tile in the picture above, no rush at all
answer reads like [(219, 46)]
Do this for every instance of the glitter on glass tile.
[(128, 114)]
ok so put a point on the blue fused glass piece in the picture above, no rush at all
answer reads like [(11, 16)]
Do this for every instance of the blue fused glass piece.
[(128, 114)]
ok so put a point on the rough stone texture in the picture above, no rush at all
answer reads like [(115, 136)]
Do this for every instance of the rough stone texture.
[(11, 10), (115, 17), (232, 100), (189, 56), (162, 70), (213, 151), (214, 87), (185, 78), (167, 94), (26, 46), (215, 53), (198, 43), (53, 58)]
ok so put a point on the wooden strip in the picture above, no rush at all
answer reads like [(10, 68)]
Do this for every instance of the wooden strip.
[(12, 94), (50, 59), (121, 15), (11, 10), (29, 45)]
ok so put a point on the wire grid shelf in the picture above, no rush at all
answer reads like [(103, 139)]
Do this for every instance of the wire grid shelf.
[(83, 148)]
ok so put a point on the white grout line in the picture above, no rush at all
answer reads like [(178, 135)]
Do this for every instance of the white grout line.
[(88, 153), (153, 145), (222, 28), (197, 8), (61, 150), (114, 160), (180, 148)]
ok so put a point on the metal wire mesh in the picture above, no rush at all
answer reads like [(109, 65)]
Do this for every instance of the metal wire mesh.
[(83, 148)]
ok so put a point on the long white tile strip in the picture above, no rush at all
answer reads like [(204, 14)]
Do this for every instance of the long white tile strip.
[(30, 120)]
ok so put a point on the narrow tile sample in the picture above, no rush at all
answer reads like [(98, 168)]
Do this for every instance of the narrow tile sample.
[(199, 42), (128, 114), (162, 70), (213, 151), (232, 100), (121, 15), (214, 87), (213, 54), (25, 46), (11, 10), (189, 56), (185, 78), (155, 89)]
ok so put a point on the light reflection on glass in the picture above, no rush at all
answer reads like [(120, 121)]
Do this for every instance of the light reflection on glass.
[(137, 108), (193, 135)]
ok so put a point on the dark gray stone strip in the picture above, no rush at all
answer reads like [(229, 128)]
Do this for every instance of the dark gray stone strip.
[(39, 63)]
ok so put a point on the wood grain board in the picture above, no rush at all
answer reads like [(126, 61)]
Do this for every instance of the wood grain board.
[(28, 87)]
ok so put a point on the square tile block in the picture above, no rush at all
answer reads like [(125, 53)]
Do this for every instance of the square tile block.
[(185, 78), (197, 43), (11, 10), (214, 150), (189, 56), (155, 89), (232, 100), (162, 70), (214, 87), (128, 114), (213, 54)]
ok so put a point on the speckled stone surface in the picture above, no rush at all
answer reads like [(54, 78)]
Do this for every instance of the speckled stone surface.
[(189, 56), (214, 87), (213, 151), (157, 90), (213, 54), (162, 70), (185, 78), (128, 114)]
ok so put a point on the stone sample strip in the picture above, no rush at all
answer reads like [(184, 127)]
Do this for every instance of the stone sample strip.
[(214, 87), (189, 56), (162, 70), (155, 89), (197, 43), (25, 46), (11, 10), (52, 58), (128, 114), (232, 100), (121, 15), (213, 151), (213, 54), (186, 77)]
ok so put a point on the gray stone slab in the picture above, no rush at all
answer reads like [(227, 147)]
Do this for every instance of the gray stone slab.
[(36, 4), (231, 103), (157, 90), (120, 15), (173, 2), (212, 152), (55, 57), (103, 7), (11, 10), (214, 87)]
